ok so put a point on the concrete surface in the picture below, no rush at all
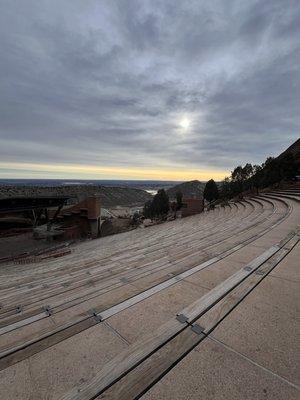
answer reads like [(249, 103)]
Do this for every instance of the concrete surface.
[(50, 373), (265, 327), (152, 312), (213, 372)]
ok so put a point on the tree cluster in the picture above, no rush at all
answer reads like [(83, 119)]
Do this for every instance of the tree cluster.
[(158, 207), (254, 177)]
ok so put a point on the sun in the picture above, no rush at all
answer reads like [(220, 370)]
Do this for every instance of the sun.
[(185, 123)]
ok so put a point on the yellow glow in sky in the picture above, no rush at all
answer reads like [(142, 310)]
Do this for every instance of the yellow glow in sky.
[(75, 171)]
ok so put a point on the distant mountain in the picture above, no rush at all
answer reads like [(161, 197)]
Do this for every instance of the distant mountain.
[(125, 196), (138, 184), (110, 196), (188, 189)]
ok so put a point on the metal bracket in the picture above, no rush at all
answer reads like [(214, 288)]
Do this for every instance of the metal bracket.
[(19, 309), (259, 273), (93, 313), (182, 318), (247, 268), (47, 310), (198, 329)]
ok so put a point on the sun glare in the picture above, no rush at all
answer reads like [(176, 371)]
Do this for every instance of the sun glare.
[(184, 123)]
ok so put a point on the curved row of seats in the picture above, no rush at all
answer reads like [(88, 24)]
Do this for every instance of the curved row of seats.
[(114, 245), (200, 238), (102, 273), (165, 249), (153, 244), (194, 237)]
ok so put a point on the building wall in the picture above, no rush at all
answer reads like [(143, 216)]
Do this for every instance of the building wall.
[(83, 218), (191, 206)]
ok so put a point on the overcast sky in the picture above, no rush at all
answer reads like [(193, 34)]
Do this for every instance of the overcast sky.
[(168, 89)]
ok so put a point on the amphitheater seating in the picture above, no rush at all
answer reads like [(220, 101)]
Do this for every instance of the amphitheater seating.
[(112, 317)]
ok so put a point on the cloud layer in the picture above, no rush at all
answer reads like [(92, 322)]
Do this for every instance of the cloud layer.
[(106, 84)]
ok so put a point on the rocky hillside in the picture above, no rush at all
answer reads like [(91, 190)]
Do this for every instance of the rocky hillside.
[(188, 189), (293, 149), (110, 196)]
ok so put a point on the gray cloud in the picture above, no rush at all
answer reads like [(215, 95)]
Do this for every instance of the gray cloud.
[(107, 83)]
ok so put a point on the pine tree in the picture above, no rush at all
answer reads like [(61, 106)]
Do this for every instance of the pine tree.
[(179, 200), (158, 207), (211, 191)]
